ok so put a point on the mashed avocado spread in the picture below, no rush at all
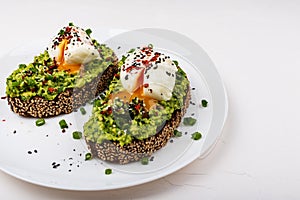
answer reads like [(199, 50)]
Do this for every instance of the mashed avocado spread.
[(116, 120), (42, 78)]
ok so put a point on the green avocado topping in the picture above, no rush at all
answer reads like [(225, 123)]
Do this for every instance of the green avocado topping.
[(116, 120), (42, 78)]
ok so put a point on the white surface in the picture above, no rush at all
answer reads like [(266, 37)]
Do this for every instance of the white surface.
[(53, 146), (255, 46)]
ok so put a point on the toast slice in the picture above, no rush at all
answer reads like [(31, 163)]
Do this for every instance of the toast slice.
[(123, 131), (43, 88)]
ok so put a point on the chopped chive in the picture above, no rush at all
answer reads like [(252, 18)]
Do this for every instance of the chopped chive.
[(189, 121), (40, 122), (131, 50), (82, 110), (204, 103), (77, 135), (61, 32), (88, 32), (88, 156), (196, 136), (177, 133), (145, 161), (108, 171), (71, 24), (175, 62), (63, 124)]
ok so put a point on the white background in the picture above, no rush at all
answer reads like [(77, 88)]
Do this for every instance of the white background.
[(255, 46)]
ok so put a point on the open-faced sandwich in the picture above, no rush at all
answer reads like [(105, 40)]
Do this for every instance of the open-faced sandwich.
[(72, 70), (138, 114)]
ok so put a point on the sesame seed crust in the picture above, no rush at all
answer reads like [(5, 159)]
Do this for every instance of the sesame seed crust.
[(65, 102), (112, 151)]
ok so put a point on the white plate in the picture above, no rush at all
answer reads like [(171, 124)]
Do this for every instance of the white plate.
[(49, 146)]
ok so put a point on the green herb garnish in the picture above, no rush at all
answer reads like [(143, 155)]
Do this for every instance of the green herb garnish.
[(175, 62), (177, 133), (63, 124), (189, 121), (88, 32), (145, 161), (196, 136), (131, 50), (40, 122), (71, 24), (204, 103), (77, 135), (61, 32), (150, 46), (82, 110), (88, 156), (108, 171)]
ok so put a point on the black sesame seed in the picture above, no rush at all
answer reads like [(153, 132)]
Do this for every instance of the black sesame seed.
[(29, 152), (35, 151)]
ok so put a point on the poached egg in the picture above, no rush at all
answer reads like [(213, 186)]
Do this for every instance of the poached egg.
[(71, 48), (148, 74)]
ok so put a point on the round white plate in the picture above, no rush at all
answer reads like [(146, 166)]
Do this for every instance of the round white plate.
[(46, 156)]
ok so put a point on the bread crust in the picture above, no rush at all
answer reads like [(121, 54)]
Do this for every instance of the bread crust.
[(113, 152), (65, 102)]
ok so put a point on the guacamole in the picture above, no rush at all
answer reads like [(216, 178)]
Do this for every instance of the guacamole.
[(42, 77), (116, 120)]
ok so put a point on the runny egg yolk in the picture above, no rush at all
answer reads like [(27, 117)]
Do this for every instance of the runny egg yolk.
[(127, 97), (62, 65)]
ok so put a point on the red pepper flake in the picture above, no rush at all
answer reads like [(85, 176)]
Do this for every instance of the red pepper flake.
[(130, 68), (3, 120), (137, 107), (51, 90), (146, 85)]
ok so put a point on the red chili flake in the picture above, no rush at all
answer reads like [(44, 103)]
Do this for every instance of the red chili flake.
[(51, 89), (109, 110), (130, 68), (146, 85), (3, 120), (137, 107), (68, 29), (117, 75)]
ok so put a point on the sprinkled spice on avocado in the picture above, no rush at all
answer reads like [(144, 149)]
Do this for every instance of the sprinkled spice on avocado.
[(114, 119)]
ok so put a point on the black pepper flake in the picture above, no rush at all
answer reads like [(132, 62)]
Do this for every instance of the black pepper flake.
[(15, 132), (185, 133), (126, 77), (3, 97), (171, 141), (119, 47), (29, 152), (35, 151), (70, 170), (64, 130), (151, 158), (168, 73), (193, 88), (192, 114)]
